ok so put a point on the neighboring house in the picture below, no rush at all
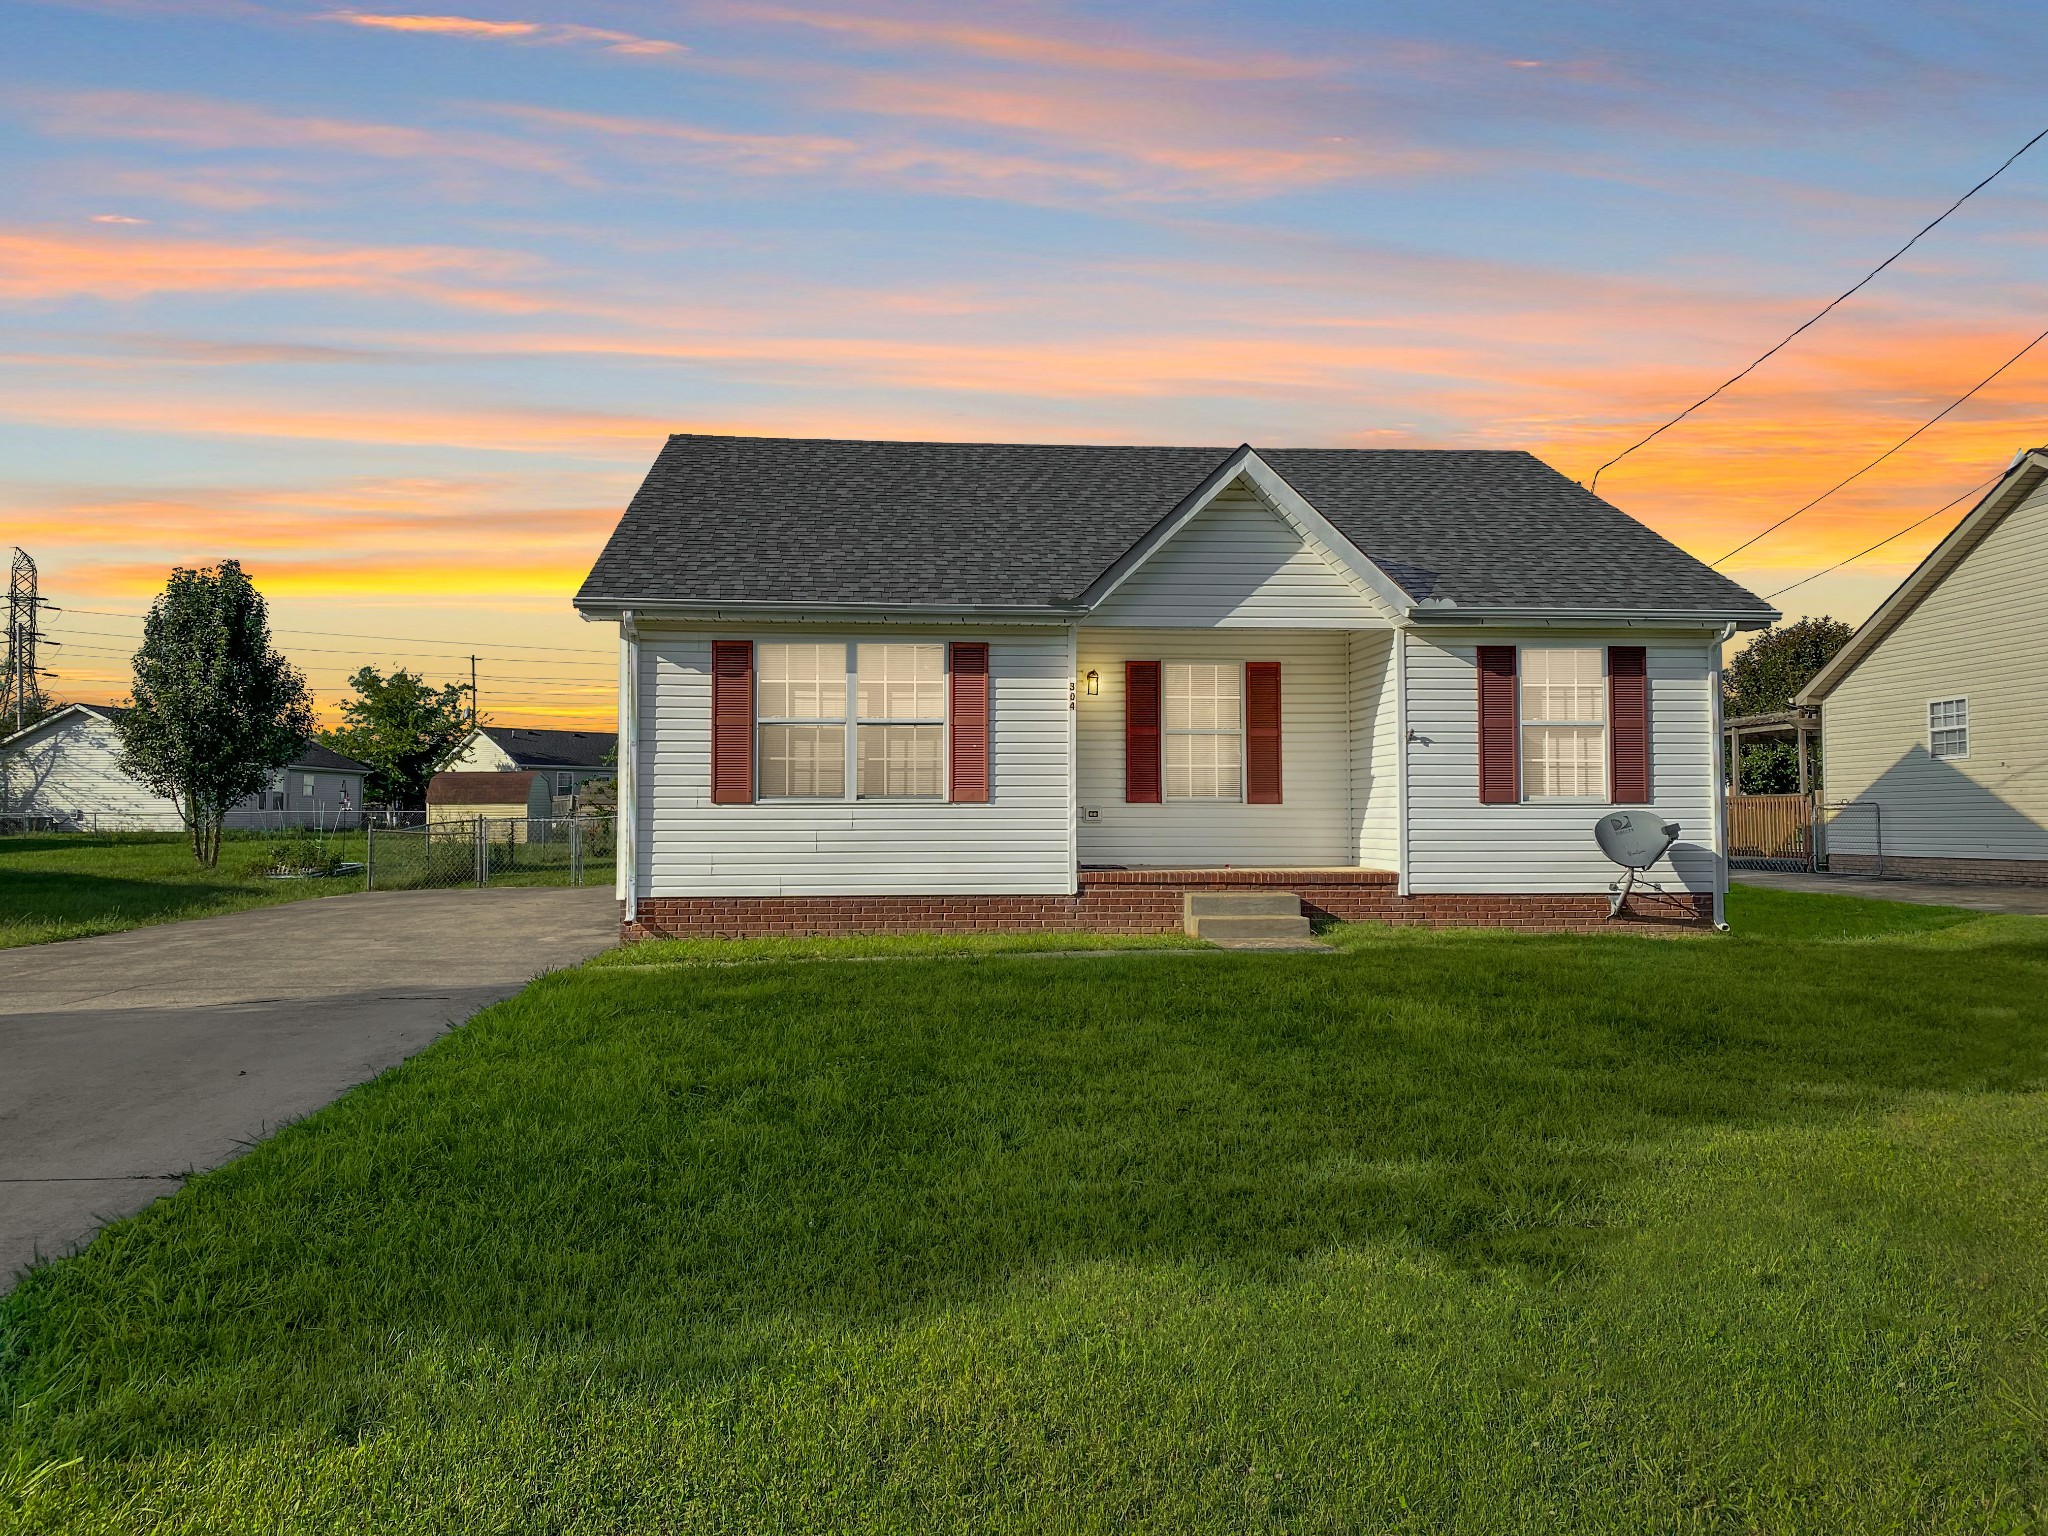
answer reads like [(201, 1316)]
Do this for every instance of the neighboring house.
[(65, 770), (871, 685), (1934, 717), (493, 796), (570, 759)]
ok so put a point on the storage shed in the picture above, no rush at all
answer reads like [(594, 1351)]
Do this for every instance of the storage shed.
[(494, 796)]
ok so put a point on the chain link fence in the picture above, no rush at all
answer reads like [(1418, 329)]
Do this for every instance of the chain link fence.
[(484, 850)]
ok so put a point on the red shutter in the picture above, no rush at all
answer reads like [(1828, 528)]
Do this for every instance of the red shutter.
[(967, 720), (732, 722), (1500, 747), (1628, 724), (1141, 732), (1262, 732)]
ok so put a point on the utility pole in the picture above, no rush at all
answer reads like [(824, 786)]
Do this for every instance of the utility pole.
[(472, 693), (21, 695)]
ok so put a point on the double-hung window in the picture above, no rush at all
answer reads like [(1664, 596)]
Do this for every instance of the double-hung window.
[(1204, 730), (1564, 723), (892, 694), (1948, 727), (801, 710), (901, 711)]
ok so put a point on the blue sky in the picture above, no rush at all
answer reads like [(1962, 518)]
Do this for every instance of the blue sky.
[(396, 305)]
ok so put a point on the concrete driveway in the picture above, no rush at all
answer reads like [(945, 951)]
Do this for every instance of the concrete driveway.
[(1929, 893), (130, 1060)]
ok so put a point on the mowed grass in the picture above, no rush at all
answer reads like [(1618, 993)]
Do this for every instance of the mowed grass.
[(1440, 1233), (68, 885)]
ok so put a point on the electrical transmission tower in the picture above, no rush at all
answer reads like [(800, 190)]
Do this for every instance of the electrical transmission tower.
[(21, 693)]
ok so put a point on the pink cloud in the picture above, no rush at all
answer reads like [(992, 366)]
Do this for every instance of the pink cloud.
[(506, 31)]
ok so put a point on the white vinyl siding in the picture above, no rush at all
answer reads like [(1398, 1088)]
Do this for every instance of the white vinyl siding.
[(72, 768), (1017, 844), (1374, 740), (1312, 826), (1981, 634), (1239, 564), (1458, 845)]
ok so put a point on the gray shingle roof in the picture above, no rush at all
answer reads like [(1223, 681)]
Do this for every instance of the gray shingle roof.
[(530, 747), (1004, 525)]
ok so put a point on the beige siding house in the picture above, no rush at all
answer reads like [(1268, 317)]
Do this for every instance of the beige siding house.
[(1934, 718), (914, 686)]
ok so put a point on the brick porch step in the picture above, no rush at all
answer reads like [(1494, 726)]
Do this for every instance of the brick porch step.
[(1245, 917)]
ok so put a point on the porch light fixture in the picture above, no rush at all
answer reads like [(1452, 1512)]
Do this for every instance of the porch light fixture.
[(1093, 682)]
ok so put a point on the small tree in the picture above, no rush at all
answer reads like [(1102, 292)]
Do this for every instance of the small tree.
[(406, 730), (1762, 680), (215, 711)]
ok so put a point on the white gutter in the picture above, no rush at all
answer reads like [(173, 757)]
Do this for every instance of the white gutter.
[(1401, 885), (1718, 780), (626, 884)]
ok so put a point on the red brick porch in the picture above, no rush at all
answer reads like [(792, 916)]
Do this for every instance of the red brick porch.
[(1134, 901)]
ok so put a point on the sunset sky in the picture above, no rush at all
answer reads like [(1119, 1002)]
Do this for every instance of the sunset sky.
[(397, 307)]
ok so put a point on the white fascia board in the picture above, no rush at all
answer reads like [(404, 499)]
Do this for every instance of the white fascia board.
[(1447, 617), (1293, 508), (2020, 482), (609, 611)]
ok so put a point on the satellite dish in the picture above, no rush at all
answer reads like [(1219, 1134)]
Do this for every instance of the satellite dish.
[(1635, 840)]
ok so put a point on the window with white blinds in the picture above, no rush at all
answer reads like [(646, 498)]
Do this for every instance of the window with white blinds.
[(877, 728), (1204, 730), (1564, 723)]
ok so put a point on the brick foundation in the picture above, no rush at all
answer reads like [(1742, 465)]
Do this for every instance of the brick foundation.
[(1960, 871), (1136, 901)]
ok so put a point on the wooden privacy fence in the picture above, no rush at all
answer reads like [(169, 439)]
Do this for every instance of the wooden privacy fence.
[(1771, 831)]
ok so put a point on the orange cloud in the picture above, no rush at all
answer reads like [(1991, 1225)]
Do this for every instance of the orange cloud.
[(202, 123), (507, 31), (43, 266)]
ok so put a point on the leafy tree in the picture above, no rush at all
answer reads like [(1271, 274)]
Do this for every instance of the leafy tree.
[(215, 711), (1779, 662), (404, 728), (1762, 680)]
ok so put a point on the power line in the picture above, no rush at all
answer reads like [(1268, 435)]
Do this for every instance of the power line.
[(1895, 447), (1977, 489), (342, 634), (608, 665), (1844, 294)]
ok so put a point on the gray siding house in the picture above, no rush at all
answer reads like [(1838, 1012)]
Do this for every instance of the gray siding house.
[(877, 685), (64, 772)]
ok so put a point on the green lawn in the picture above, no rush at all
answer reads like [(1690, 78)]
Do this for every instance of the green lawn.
[(1440, 1233), (68, 885)]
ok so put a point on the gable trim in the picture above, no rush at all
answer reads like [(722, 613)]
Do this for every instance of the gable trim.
[(2026, 475), (1314, 530), (52, 719)]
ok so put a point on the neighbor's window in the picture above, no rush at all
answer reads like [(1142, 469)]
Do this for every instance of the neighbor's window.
[(1204, 720), (1564, 724), (900, 712), (1948, 727), (306, 783), (565, 783), (801, 714)]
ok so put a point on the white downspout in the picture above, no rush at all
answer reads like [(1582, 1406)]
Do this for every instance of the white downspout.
[(626, 884), (1401, 886), (1715, 779)]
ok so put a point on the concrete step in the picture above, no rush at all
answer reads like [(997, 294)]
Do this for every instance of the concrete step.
[(1250, 930), (1194, 904)]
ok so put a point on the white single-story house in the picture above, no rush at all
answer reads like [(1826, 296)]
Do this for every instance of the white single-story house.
[(898, 686), (1934, 717), (569, 759), (64, 772)]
